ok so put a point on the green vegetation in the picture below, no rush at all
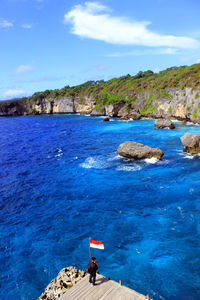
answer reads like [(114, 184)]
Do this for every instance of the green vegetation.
[(188, 108), (196, 96), (170, 109), (125, 89), (165, 94), (148, 107), (115, 90), (194, 115)]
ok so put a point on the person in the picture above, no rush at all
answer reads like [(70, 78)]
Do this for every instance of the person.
[(92, 270)]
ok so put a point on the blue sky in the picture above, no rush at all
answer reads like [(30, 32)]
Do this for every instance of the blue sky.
[(47, 44)]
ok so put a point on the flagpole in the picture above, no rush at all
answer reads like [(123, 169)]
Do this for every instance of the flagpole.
[(90, 249)]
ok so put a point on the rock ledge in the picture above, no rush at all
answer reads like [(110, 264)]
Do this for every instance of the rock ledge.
[(66, 278)]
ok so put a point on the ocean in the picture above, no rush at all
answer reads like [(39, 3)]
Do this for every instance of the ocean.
[(62, 181)]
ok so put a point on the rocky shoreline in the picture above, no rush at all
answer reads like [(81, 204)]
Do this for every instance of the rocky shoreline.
[(180, 104), (66, 278)]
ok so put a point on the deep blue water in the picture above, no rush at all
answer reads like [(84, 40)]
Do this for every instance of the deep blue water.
[(61, 181)]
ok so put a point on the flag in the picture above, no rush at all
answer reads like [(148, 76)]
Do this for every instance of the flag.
[(96, 244)]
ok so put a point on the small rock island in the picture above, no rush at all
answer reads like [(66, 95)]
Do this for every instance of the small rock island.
[(138, 151), (191, 143)]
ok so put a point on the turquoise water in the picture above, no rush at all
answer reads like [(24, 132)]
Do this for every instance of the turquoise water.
[(61, 182)]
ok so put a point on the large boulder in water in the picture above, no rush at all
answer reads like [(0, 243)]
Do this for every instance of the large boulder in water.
[(138, 151), (134, 115), (130, 116), (191, 143), (164, 123)]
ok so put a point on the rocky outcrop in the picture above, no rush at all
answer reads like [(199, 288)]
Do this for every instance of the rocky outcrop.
[(98, 111), (63, 105), (66, 278), (111, 110), (191, 143), (138, 151), (83, 105), (164, 123), (130, 116), (14, 108), (106, 119)]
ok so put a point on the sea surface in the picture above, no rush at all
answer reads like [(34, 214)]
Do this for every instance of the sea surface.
[(62, 181)]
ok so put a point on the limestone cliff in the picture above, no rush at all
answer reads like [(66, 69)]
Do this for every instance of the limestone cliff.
[(183, 104)]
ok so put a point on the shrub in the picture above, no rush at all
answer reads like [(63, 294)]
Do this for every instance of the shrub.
[(194, 115)]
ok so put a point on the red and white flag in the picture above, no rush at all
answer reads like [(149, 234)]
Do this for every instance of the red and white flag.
[(96, 244)]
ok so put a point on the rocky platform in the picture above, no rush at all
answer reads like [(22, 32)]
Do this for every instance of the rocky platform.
[(66, 278)]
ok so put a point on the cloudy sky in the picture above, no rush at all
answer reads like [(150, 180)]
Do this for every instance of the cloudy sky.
[(47, 44)]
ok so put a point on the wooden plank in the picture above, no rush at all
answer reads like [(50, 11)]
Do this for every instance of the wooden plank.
[(104, 289)]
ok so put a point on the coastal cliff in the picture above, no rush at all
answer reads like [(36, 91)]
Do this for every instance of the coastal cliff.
[(173, 93)]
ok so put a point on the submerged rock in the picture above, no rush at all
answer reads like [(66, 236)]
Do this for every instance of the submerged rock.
[(164, 123), (191, 143), (138, 151), (66, 278), (106, 119)]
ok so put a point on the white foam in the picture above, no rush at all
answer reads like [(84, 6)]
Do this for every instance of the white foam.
[(95, 163), (58, 155), (181, 211), (190, 156), (175, 121), (88, 164), (117, 157), (193, 124), (185, 155), (152, 160), (191, 190), (129, 168), (138, 252)]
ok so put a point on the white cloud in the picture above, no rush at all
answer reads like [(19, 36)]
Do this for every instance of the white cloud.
[(198, 61), (22, 69), (158, 51), (26, 26), (93, 20), (13, 93), (5, 24)]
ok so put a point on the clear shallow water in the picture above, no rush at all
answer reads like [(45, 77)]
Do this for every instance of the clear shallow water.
[(62, 181)]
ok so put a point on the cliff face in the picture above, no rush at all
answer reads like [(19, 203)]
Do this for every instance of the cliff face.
[(183, 104)]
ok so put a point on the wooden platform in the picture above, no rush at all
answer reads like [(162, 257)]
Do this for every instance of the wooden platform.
[(104, 289)]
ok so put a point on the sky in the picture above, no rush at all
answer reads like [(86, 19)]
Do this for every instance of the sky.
[(48, 44)]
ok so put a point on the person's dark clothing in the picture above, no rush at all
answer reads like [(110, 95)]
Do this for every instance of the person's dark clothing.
[(93, 270)]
